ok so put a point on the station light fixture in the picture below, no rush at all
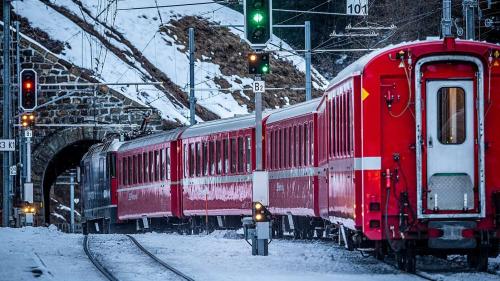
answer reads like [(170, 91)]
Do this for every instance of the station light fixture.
[(260, 213), (258, 63), (28, 93), (258, 22)]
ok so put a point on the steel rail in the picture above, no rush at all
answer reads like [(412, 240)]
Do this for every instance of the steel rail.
[(155, 258), (96, 263)]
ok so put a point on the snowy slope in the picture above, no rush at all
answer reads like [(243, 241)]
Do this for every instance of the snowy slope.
[(141, 29)]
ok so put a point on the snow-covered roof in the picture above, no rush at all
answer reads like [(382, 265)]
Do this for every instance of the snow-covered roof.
[(294, 110), (219, 126), (153, 139), (359, 65)]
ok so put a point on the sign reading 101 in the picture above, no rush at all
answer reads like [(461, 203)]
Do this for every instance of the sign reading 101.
[(357, 7)]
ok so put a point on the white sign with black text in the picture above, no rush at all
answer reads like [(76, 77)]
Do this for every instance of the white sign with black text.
[(7, 145), (357, 7), (259, 86), (28, 133)]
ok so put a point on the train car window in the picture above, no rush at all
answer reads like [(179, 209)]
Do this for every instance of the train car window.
[(130, 170), (300, 145), (162, 164), (276, 149), (198, 159), (186, 159), (112, 165), (311, 144), (134, 168), (225, 146), (289, 147), (167, 161), (140, 176), (211, 148), (124, 170), (272, 157), (241, 150), (101, 173), (295, 146), (306, 145), (218, 156), (151, 167), (349, 124), (331, 118), (286, 155), (280, 148), (451, 115), (344, 102), (157, 165), (337, 127), (234, 155), (248, 154), (145, 166), (191, 159), (204, 161)]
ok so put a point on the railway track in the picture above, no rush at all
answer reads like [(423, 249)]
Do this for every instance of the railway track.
[(113, 276), (96, 262)]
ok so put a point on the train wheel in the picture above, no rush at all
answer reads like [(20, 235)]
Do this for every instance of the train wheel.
[(379, 251), (319, 233), (411, 260), (401, 259), (482, 259), (472, 260)]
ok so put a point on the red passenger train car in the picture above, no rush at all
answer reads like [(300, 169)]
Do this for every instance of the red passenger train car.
[(291, 159), (148, 178), (399, 154), (413, 167), (218, 160)]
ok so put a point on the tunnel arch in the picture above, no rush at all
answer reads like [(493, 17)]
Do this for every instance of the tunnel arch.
[(56, 154)]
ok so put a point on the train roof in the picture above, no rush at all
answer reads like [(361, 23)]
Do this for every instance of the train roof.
[(294, 110), (152, 139), (221, 125), (359, 65), (105, 147)]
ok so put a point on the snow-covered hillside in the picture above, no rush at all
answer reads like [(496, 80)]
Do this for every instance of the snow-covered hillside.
[(130, 46)]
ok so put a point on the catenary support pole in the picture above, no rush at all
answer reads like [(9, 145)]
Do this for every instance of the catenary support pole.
[(307, 26), (192, 98), (20, 135), (6, 110), (446, 20), (72, 200), (468, 10)]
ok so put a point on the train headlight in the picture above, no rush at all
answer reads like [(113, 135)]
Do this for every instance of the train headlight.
[(258, 217)]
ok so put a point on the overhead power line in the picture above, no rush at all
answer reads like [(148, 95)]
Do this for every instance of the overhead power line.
[(174, 5)]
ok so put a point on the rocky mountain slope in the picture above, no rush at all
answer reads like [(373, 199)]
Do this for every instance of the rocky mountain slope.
[(116, 44)]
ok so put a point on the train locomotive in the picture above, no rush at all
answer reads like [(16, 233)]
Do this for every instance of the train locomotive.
[(399, 154)]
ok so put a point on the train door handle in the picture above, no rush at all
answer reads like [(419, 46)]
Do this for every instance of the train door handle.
[(430, 142)]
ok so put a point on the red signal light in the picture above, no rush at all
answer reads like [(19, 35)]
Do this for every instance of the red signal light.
[(28, 85)]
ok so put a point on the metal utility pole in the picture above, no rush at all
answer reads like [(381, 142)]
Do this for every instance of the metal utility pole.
[(72, 200), (258, 129), (6, 112), (468, 11), (307, 26), (192, 98), (446, 20)]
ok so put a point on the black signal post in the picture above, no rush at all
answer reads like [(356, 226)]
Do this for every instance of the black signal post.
[(28, 91), (258, 22)]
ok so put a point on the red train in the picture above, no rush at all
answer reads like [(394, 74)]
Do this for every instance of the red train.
[(399, 154)]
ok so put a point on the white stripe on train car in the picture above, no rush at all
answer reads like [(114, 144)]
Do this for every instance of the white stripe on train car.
[(367, 163), (151, 186)]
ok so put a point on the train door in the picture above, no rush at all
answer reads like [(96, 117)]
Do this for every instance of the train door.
[(450, 145)]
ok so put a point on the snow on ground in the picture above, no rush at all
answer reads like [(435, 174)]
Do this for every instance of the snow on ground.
[(221, 256), (57, 255), (140, 27)]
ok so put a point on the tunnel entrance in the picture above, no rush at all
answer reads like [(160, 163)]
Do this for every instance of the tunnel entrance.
[(59, 166)]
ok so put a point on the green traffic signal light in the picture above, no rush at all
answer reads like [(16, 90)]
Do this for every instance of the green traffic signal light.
[(265, 68), (258, 18), (258, 22)]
